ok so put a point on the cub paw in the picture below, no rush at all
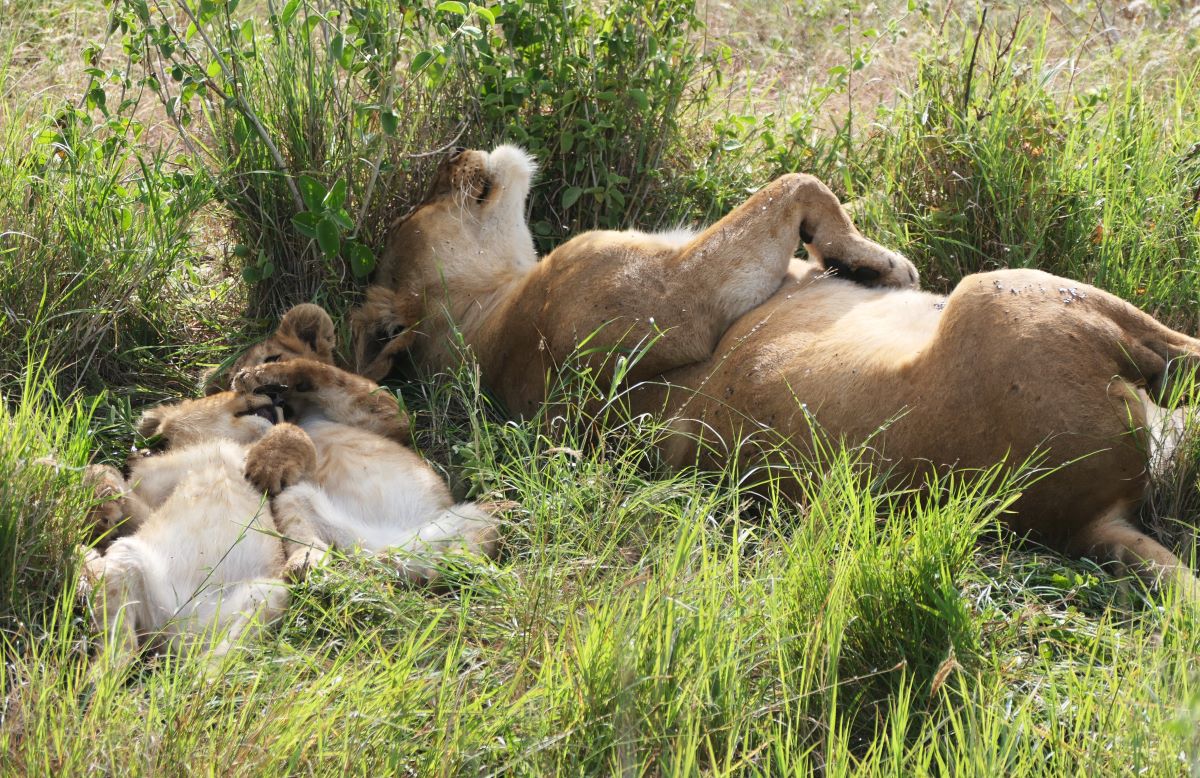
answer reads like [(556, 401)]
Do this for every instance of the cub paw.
[(284, 457), (277, 378), (110, 490), (90, 573), (301, 561)]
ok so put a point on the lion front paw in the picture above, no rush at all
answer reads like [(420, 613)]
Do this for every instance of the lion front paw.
[(284, 457), (111, 493), (279, 378)]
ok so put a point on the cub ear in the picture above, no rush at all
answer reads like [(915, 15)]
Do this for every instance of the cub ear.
[(311, 325)]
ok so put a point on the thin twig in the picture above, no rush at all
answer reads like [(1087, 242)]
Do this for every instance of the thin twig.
[(971, 65), (244, 107)]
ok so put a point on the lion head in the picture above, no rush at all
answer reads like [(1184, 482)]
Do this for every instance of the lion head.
[(443, 261), (241, 418)]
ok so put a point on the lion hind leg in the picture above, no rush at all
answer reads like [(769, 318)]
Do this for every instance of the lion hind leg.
[(119, 579), (259, 603), (1112, 538), (468, 527), (751, 248), (306, 520)]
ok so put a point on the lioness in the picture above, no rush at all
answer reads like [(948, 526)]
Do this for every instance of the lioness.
[(368, 491), (1011, 363), (204, 556)]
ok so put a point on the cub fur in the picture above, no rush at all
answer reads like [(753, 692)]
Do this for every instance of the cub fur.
[(204, 555), (369, 491), (752, 343)]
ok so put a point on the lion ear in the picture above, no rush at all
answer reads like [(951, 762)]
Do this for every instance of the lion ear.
[(311, 325)]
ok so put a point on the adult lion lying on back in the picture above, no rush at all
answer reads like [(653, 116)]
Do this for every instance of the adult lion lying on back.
[(1011, 363)]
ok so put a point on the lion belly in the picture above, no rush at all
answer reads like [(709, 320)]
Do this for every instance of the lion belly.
[(378, 491), (200, 547), (991, 374)]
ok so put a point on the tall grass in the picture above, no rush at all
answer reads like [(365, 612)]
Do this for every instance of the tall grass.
[(1002, 163), (644, 625), (43, 505), (93, 230)]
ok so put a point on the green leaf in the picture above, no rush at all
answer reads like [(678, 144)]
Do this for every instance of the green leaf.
[(312, 191), (337, 47), (389, 120), (306, 223), (420, 61), (362, 261), (289, 12), (639, 97), (336, 197), (96, 98), (453, 7), (570, 196), (329, 237), (486, 13), (213, 70), (566, 141)]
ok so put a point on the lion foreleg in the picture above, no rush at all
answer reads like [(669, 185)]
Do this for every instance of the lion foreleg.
[(342, 397)]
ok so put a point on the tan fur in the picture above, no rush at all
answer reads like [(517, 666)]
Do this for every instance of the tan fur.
[(756, 345), (368, 490), (203, 560), (304, 331), (466, 259)]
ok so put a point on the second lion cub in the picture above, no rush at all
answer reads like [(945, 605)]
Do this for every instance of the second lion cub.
[(369, 491)]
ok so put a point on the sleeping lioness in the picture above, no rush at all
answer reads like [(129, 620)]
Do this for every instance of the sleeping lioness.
[(748, 338)]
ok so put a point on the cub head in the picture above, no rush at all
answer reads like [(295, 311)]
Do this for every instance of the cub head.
[(305, 332), (459, 244), (242, 418)]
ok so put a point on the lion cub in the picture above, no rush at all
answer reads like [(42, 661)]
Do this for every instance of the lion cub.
[(204, 556), (369, 490)]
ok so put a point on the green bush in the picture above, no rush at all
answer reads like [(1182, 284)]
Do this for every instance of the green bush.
[(93, 236), (1002, 165), (324, 117)]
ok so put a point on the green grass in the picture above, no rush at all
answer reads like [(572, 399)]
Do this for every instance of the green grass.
[(637, 622)]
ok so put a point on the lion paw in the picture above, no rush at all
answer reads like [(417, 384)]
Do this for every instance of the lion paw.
[(866, 263), (90, 573), (280, 378), (111, 493), (284, 457), (301, 561)]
